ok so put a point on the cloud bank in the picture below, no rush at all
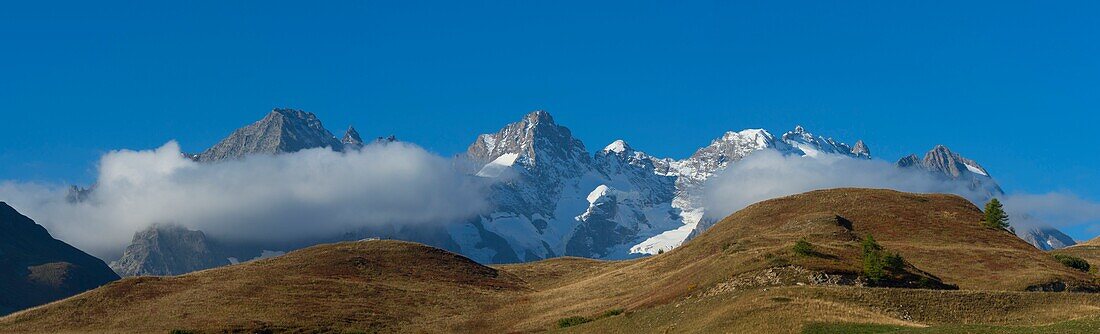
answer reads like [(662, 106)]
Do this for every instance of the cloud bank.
[(313, 193), (769, 174)]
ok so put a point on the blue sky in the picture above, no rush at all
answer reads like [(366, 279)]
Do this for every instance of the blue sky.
[(1013, 86)]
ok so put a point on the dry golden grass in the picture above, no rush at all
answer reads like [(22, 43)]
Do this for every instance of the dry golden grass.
[(790, 309), (389, 286), (354, 286)]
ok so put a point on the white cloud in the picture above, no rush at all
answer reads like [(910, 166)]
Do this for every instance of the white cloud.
[(769, 174), (1053, 209), (264, 198)]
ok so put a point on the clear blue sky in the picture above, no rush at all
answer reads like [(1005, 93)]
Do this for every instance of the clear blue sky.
[(1013, 86)]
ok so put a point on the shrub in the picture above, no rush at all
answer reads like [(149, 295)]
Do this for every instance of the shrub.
[(572, 321), (612, 313), (877, 262), (893, 262), (1073, 262), (803, 247)]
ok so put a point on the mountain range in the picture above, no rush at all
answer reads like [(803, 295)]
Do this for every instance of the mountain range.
[(551, 196)]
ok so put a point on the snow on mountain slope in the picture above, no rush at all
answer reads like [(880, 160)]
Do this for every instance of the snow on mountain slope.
[(693, 172), (498, 166), (544, 210), (551, 197)]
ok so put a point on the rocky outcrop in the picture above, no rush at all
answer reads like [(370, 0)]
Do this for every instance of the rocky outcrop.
[(166, 250)]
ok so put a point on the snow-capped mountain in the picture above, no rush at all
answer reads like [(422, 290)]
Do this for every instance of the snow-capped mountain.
[(553, 197), (550, 196), (692, 173)]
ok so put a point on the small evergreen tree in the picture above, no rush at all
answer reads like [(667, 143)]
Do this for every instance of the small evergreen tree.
[(995, 216), (873, 264), (870, 246)]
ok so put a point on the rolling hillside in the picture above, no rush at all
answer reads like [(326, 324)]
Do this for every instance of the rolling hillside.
[(739, 275)]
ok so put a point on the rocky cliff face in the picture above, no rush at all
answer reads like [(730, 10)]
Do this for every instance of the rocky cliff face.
[(36, 269), (166, 250), (281, 131)]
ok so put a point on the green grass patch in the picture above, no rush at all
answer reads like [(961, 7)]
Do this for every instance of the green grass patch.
[(572, 321), (849, 328)]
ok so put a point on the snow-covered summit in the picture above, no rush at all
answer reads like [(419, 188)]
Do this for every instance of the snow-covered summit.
[(813, 145)]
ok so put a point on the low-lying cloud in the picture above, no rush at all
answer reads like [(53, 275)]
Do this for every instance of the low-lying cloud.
[(769, 174), (313, 193)]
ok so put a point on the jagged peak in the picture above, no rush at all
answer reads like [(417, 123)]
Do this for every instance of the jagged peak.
[(799, 129), (618, 146), (746, 133), (861, 149), (351, 137), (940, 149), (539, 116), (293, 113)]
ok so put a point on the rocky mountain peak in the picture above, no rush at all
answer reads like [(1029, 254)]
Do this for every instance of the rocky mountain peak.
[(351, 138), (941, 159), (942, 162), (1045, 238), (814, 145), (539, 117), (281, 131), (618, 146), (861, 150), (540, 144), (168, 250)]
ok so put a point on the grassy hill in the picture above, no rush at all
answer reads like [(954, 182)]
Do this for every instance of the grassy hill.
[(1089, 251), (740, 276)]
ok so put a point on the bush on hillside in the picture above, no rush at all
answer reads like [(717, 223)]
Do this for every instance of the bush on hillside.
[(572, 321), (893, 262), (803, 247), (877, 262), (1073, 262)]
